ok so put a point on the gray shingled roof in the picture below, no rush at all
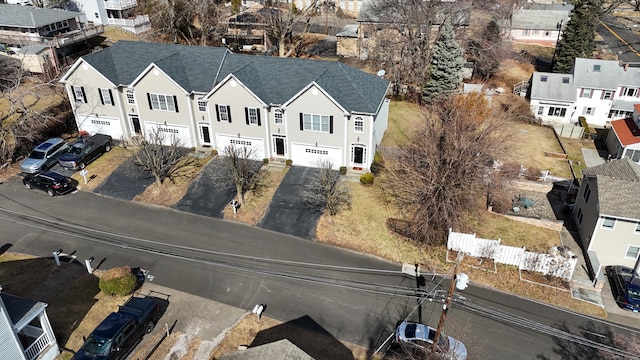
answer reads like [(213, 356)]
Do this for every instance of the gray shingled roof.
[(21, 309), (31, 16), (539, 19), (618, 182), (272, 79), (610, 75), (554, 88), (279, 350)]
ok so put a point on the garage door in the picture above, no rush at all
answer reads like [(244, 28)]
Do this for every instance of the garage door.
[(256, 144), (100, 125), (171, 132), (311, 155)]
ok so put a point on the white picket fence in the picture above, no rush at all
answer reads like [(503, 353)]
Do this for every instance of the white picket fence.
[(547, 264)]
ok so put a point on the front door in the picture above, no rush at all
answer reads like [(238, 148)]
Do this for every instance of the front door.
[(205, 134), (358, 155), (135, 121), (280, 146)]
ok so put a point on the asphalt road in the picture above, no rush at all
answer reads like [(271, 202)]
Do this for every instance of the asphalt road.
[(353, 297), (619, 39)]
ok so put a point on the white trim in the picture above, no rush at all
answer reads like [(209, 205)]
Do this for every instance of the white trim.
[(75, 66), (615, 221), (225, 80), (629, 257), (149, 68), (313, 83)]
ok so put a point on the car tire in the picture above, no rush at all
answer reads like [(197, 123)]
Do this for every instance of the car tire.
[(50, 192), (81, 166), (107, 148), (149, 327), (28, 186)]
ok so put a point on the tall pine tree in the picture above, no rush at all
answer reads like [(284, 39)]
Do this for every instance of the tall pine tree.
[(445, 71), (578, 39)]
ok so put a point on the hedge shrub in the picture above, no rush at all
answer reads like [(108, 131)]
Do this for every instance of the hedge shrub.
[(118, 281), (378, 163), (289, 162), (366, 178), (343, 170)]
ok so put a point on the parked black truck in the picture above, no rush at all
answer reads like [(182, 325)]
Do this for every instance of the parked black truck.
[(121, 331), (85, 150)]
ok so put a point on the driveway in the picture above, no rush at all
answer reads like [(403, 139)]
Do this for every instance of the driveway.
[(287, 213), (126, 181), (203, 196)]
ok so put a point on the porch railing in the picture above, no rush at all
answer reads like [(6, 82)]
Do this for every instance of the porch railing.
[(41, 343)]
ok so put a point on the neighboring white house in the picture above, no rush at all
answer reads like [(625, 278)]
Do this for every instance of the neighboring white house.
[(210, 98), (623, 139), (121, 13), (25, 331), (607, 213), (538, 26), (599, 90)]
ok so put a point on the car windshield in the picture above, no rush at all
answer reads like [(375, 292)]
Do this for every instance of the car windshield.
[(97, 345), (633, 293), (36, 155), (75, 150), (410, 331)]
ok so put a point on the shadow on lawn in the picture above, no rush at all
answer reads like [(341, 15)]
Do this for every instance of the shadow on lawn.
[(68, 290)]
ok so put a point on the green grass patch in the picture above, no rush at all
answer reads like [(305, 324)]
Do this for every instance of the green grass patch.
[(402, 116)]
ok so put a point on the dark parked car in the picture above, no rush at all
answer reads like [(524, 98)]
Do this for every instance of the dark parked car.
[(625, 286), (44, 156), (49, 181), (422, 335), (121, 331), (84, 151)]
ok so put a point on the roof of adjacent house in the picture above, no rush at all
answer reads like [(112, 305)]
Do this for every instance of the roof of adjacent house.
[(553, 86), (31, 16), (618, 183), (199, 69), (279, 350), (539, 19), (603, 74), (626, 131), (21, 310)]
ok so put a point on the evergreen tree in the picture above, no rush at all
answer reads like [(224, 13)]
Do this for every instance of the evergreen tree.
[(578, 39), (445, 71)]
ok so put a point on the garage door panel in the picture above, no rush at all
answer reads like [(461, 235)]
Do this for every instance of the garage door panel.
[(171, 132), (100, 125), (256, 144), (311, 155)]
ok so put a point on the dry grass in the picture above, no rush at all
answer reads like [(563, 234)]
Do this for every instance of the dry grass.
[(256, 206), (102, 167), (573, 147), (403, 115), (114, 34), (321, 347), (512, 72), (170, 192), (45, 99)]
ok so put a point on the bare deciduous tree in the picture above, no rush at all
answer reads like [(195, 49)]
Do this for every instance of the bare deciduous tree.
[(161, 160), (281, 18), (243, 171), (438, 174), (327, 190)]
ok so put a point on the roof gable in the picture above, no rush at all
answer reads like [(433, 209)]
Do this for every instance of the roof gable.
[(31, 16)]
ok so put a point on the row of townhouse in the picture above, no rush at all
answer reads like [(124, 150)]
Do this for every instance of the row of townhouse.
[(599, 90), (210, 98)]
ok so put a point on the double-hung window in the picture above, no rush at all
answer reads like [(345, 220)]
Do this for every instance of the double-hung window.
[(586, 93), (252, 116), (131, 100), (608, 223), (202, 105), (163, 102), (278, 118), (79, 94), (358, 125), (588, 110), (106, 97), (632, 252), (316, 122), (223, 113)]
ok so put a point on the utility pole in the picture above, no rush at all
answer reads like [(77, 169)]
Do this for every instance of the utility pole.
[(418, 298), (461, 283)]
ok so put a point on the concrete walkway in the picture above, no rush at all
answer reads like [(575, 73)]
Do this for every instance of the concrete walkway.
[(593, 157)]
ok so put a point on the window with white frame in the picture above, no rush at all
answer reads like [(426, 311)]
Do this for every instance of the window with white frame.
[(596, 68), (608, 223), (252, 116), (557, 111), (540, 110), (632, 252), (625, 91), (79, 95), (358, 125), (162, 102), (278, 117), (587, 194), (315, 122), (566, 80), (202, 105), (586, 93), (588, 110), (105, 96), (632, 154), (131, 100), (223, 112), (607, 94), (619, 114), (637, 230)]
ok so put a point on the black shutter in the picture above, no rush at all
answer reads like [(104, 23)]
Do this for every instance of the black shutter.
[(301, 122), (246, 115), (149, 98), (330, 124), (229, 113), (175, 102), (258, 112), (217, 112), (113, 103), (101, 98), (84, 95)]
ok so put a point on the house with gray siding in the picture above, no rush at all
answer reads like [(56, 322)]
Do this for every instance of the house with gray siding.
[(210, 98), (607, 213), (25, 331), (600, 90)]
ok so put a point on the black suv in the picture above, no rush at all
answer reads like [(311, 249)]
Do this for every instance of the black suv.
[(49, 181)]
